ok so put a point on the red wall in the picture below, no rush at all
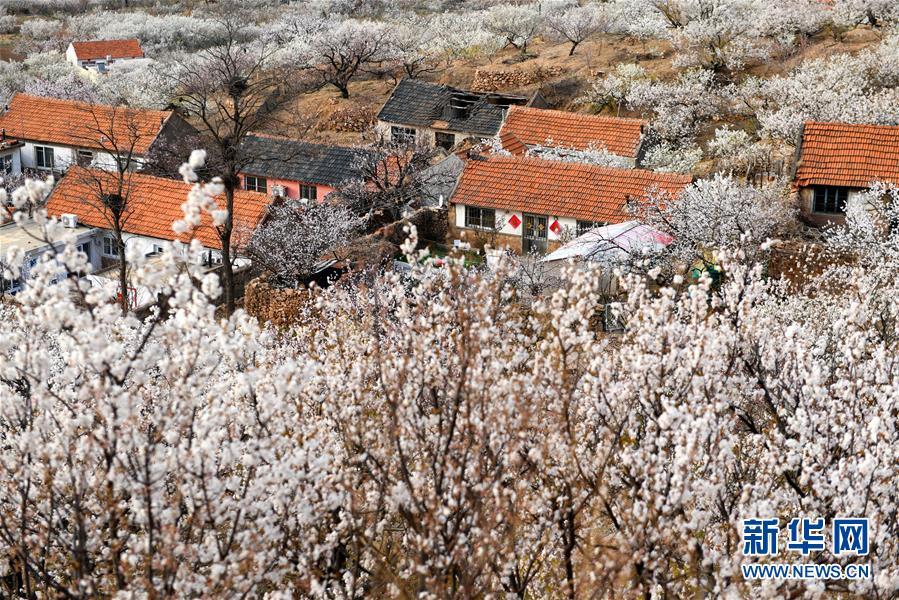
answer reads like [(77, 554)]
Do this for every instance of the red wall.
[(293, 187)]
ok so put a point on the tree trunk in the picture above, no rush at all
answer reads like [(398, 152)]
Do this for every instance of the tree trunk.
[(123, 270), (570, 542), (573, 47), (227, 268)]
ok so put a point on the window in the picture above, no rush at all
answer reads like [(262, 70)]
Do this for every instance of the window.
[(255, 184), (831, 200), (211, 259), (480, 218), (585, 226), (43, 157), (445, 140), (110, 248), (86, 249), (534, 234), (6, 166), (308, 192), (402, 135), (85, 158)]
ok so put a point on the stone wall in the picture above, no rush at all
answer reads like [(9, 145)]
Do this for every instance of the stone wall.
[(489, 80), (281, 307), (352, 118)]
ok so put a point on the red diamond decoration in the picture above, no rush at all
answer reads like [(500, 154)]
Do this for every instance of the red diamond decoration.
[(514, 221), (555, 227)]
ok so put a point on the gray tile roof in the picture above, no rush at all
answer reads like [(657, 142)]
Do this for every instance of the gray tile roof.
[(294, 160), (419, 104)]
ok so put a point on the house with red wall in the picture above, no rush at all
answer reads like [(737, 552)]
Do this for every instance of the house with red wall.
[(280, 166)]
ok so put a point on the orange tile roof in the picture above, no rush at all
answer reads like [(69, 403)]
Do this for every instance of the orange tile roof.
[(154, 204), (512, 144), (534, 126), (98, 49), (80, 124), (560, 189), (848, 155)]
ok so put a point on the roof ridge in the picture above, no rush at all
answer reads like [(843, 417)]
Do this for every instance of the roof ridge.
[(83, 103), (567, 113), (845, 124), (285, 138), (564, 164), (131, 39)]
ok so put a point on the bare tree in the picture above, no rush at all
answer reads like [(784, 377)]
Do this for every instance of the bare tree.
[(118, 137), (394, 177), (229, 91)]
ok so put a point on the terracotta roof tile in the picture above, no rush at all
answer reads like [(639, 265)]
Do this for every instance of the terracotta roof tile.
[(561, 189), (154, 203), (80, 124), (512, 144), (534, 126), (98, 49), (842, 154)]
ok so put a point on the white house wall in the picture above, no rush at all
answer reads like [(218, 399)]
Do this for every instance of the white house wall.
[(505, 216), (423, 135), (71, 57), (66, 156), (63, 156)]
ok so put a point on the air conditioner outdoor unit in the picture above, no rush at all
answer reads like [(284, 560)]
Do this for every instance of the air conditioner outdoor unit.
[(278, 190), (69, 220)]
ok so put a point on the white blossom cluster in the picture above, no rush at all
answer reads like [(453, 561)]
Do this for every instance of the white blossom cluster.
[(421, 435)]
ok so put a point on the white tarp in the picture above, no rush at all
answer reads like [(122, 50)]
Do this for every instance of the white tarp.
[(611, 244)]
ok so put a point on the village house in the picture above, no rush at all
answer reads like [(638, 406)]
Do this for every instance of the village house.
[(99, 55), (28, 237), (296, 169), (152, 205), (49, 134), (836, 161), (10, 157), (441, 116), (534, 205), (528, 128)]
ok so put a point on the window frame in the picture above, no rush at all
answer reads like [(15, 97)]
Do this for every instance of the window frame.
[(826, 200), (403, 135), (478, 223), (110, 247), (308, 192), (450, 137), (582, 227), (255, 187), (40, 155), (81, 154), (534, 233)]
